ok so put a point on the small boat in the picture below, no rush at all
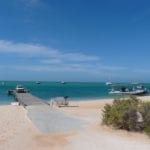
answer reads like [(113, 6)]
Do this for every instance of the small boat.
[(21, 89), (108, 83), (10, 92), (129, 90), (38, 82), (18, 89), (63, 82)]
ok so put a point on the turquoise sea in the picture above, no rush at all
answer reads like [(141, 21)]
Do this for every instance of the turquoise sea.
[(47, 90)]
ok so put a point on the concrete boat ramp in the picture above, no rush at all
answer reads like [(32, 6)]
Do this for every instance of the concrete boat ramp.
[(50, 120), (47, 119)]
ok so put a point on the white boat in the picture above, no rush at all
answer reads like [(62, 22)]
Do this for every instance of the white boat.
[(21, 89), (18, 89), (38, 82), (138, 90), (63, 82), (108, 83)]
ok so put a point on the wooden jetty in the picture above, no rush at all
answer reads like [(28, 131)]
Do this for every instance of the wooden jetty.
[(25, 98)]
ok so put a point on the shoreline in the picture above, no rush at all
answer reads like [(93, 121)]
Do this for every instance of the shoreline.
[(100, 100), (145, 98)]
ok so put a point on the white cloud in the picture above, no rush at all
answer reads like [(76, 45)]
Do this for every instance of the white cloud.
[(25, 49), (35, 50), (142, 71), (51, 61), (62, 67), (79, 57), (111, 68), (31, 3), (43, 59)]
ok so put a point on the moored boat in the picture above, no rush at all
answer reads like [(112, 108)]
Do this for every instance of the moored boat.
[(128, 89), (21, 89), (62, 82), (108, 83), (38, 82)]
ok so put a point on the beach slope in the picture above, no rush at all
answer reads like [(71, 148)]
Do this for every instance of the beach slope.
[(17, 131)]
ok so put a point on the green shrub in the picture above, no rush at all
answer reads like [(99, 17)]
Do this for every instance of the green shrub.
[(123, 114), (145, 110), (147, 130)]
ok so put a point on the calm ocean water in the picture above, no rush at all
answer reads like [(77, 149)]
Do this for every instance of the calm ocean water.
[(48, 90)]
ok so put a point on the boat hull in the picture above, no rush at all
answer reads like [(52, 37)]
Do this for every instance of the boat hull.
[(140, 92)]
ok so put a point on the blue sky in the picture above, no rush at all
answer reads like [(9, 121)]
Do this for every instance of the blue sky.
[(75, 40)]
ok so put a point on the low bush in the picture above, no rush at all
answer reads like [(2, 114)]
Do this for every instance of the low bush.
[(130, 114)]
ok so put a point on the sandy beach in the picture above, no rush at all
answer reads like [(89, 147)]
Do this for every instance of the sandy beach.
[(18, 132)]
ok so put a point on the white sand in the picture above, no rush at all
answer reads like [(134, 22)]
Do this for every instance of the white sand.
[(101, 137), (17, 132)]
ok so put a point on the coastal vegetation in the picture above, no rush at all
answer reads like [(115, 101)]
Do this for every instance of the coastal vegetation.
[(130, 114)]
